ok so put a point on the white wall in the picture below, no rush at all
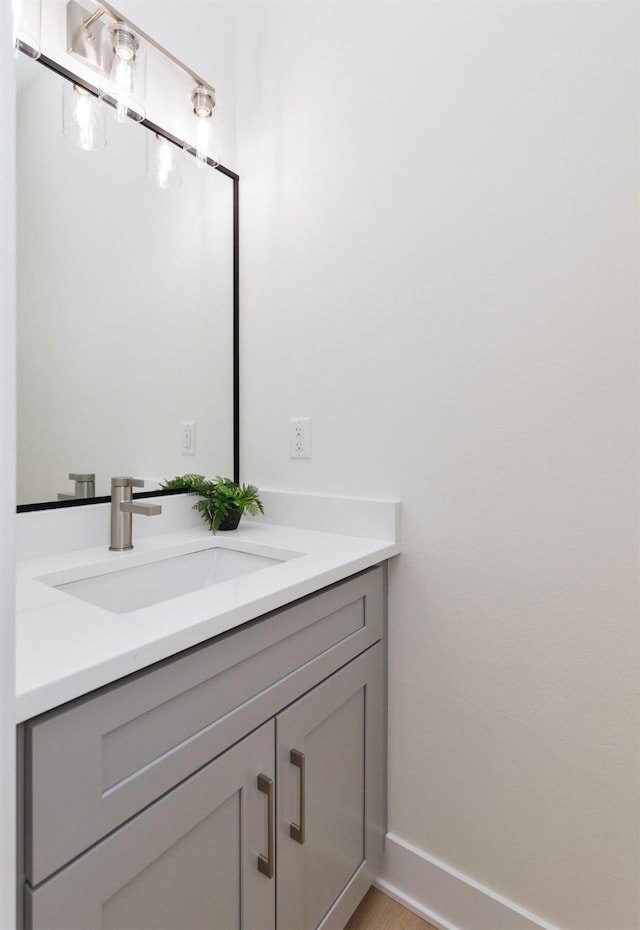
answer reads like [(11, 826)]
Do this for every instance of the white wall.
[(440, 244), (7, 477)]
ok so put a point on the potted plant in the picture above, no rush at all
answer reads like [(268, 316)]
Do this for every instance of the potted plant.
[(222, 501)]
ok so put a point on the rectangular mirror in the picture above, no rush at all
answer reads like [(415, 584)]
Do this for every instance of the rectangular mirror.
[(127, 307)]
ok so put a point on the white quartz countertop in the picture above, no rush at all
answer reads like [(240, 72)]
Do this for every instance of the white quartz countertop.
[(67, 647)]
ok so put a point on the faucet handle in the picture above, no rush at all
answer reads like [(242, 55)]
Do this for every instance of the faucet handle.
[(126, 481)]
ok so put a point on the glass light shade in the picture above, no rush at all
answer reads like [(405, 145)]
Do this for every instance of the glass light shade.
[(82, 118), (201, 138), (202, 146), (124, 67), (27, 23), (163, 162)]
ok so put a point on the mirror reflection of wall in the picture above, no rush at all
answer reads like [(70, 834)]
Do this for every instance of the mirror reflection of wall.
[(125, 307)]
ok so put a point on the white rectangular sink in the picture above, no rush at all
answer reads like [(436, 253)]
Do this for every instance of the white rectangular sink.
[(134, 581)]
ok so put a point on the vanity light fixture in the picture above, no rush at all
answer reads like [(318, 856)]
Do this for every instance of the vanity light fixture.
[(104, 41), (82, 118), (163, 162), (203, 100)]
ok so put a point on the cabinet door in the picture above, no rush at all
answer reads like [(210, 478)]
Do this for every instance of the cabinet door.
[(191, 860), (330, 747)]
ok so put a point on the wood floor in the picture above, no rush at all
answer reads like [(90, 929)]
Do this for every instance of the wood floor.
[(377, 911)]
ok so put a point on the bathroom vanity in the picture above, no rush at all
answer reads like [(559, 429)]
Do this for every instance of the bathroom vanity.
[(238, 782), (201, 721)]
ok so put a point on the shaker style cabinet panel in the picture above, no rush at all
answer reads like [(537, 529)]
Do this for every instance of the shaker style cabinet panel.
[(239, 785), (330, 756), (191, 860)]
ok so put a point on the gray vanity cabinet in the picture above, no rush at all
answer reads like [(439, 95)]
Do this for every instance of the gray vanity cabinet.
[(239, 785), (188, 861)]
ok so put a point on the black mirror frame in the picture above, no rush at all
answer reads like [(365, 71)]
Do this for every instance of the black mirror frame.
[(54, 505)]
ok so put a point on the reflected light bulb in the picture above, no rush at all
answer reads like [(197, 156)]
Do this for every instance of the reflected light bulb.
[(82, 118), (82, 115), (165, 162), (163, 165)]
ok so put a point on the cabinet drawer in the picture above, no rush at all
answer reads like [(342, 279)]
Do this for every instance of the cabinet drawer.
[(95, 763)]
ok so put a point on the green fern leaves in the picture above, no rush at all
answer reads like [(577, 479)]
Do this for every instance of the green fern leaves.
[(220, 497)]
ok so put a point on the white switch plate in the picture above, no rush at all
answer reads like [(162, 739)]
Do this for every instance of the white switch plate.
[(188, 437), (300, 438)]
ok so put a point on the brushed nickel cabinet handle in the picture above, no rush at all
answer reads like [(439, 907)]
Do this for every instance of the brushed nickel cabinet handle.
[(297, 830), (265, 863)]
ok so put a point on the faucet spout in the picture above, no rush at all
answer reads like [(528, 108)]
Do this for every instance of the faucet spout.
[(122, 509)]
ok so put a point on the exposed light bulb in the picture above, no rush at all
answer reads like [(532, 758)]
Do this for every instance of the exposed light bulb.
[(203, 100), (124, 57), (163, 164), (202, 142), (82, 116), (122, 74)]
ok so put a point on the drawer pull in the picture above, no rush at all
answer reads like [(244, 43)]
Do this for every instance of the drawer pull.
[(297, 831), (265, 863)]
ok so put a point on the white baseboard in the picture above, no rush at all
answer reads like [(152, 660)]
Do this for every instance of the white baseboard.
[(444, 897)]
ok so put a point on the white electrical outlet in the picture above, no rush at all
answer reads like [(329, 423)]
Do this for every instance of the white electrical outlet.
[(188, 437), (300, 438)]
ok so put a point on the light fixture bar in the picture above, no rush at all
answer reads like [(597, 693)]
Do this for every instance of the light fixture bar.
[(84, 30)]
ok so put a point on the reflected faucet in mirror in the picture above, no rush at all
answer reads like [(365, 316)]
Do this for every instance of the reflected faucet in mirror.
[(85, 486), (122, 509)]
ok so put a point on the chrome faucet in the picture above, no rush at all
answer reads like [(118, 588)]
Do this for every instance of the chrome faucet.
[(122, 508)]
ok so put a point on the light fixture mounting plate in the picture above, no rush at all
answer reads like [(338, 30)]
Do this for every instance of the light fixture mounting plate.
[(84, 41)]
